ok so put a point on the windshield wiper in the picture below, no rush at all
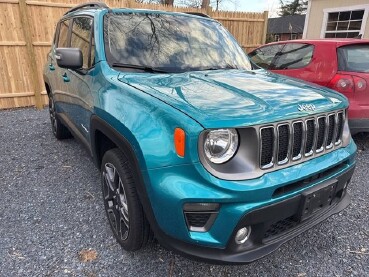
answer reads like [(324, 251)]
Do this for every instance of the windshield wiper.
[(140, 67), (218, 67)]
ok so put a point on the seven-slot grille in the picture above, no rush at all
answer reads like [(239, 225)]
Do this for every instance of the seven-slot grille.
[(286, 142)]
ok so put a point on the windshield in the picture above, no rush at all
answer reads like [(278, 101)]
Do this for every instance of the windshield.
[(353, 58), (174, 43)]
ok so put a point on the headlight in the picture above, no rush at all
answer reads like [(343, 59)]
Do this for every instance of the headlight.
[(221, 145)]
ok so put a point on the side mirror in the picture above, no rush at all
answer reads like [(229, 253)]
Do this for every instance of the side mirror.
[(71, 58)]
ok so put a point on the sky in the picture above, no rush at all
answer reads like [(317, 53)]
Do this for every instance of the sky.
[(253, 6)]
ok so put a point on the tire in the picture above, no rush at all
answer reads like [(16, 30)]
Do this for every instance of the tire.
[(122, 205), (58, 128)]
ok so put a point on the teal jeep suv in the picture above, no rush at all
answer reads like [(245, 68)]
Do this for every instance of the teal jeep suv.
[(217, 160)]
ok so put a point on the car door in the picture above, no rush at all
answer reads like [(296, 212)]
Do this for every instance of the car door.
[(80, 81), (265, 55), (59, 86)]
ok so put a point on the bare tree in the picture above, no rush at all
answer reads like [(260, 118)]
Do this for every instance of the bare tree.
[(167, 2), (205, 4)]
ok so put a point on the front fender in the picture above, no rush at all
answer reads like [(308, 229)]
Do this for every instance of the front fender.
[(148, 124)]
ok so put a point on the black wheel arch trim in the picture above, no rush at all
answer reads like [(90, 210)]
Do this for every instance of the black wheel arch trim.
[(98, 124), (47, 82)]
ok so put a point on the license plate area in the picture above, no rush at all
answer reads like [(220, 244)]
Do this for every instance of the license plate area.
[(317, 199)]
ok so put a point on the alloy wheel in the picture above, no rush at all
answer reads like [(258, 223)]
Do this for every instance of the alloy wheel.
[(115, 201)]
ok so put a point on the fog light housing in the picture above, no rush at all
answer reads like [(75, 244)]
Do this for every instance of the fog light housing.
[(200, 216), (242, 235)]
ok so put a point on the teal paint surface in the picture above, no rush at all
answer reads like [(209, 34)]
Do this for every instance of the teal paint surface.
[(146, 108)]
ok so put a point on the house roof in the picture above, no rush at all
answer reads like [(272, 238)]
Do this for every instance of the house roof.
[(281, 25)]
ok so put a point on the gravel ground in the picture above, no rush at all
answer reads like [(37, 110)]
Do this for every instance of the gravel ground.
[(51, 210)]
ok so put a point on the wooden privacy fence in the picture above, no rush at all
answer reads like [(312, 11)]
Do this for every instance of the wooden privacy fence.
[(27, 28)]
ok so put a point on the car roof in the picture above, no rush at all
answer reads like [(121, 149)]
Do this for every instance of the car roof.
[(93, 11)]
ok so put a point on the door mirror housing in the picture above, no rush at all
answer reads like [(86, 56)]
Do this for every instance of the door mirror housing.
[(70, 58)]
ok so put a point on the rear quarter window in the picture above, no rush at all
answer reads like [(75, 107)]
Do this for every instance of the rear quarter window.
[(264, 56), (353, 58), (293, 56)]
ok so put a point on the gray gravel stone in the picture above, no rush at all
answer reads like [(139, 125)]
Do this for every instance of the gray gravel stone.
[(51, 209)]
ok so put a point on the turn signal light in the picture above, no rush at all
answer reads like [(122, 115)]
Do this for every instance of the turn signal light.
[(180, 141)]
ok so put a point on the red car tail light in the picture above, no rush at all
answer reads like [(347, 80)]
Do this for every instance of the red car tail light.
[(360, 84), (342, 83), (347, 83)]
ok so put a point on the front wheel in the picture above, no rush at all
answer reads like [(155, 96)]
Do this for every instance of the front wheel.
[(59, 130), (123, 208)]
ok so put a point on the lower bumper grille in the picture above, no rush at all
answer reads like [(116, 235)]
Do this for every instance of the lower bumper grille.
[(197, 219), (200, 216), (281, 226)]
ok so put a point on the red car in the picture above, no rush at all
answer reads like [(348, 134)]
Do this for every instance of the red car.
[(339, 64)]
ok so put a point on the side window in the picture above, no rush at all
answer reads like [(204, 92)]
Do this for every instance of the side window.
[(293, 56), (63, 34), (264, 56), (81, 37)]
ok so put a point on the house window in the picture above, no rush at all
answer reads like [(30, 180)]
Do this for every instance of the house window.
[(347, 22), (277, 38), (293, 36)]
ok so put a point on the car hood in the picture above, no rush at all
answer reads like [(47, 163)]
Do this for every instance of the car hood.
[(235, 98)]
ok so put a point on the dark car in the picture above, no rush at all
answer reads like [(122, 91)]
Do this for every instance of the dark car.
[(339, 64)]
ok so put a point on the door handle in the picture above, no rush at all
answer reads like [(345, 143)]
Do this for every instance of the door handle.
[(66, 78), (51, 67)]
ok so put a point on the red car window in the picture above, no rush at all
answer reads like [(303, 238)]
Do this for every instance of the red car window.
[(293, 56), (353, 58), (264, 56)]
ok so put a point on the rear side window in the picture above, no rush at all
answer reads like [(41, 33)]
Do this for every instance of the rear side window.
[(81, 38), (63, 34), (353, 58), (293, 56), (264, 56)]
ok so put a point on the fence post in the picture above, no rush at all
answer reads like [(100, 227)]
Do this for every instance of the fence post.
[(263, 39), (129, 3), (30, 52), (209, 11)]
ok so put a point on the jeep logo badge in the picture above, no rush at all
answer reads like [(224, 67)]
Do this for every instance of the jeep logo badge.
[(306, 107)]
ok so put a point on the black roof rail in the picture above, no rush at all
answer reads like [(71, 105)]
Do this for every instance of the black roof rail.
[(88, 5), (198, 14)]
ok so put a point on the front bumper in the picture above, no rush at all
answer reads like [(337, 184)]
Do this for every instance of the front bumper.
[(245, 203)]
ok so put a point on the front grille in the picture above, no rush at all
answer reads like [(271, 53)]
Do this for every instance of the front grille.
[(267, 149), (283, 143), (339, 127), (331, 125), (297, 140), (310, 135), (321, 134), (291, 141)]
